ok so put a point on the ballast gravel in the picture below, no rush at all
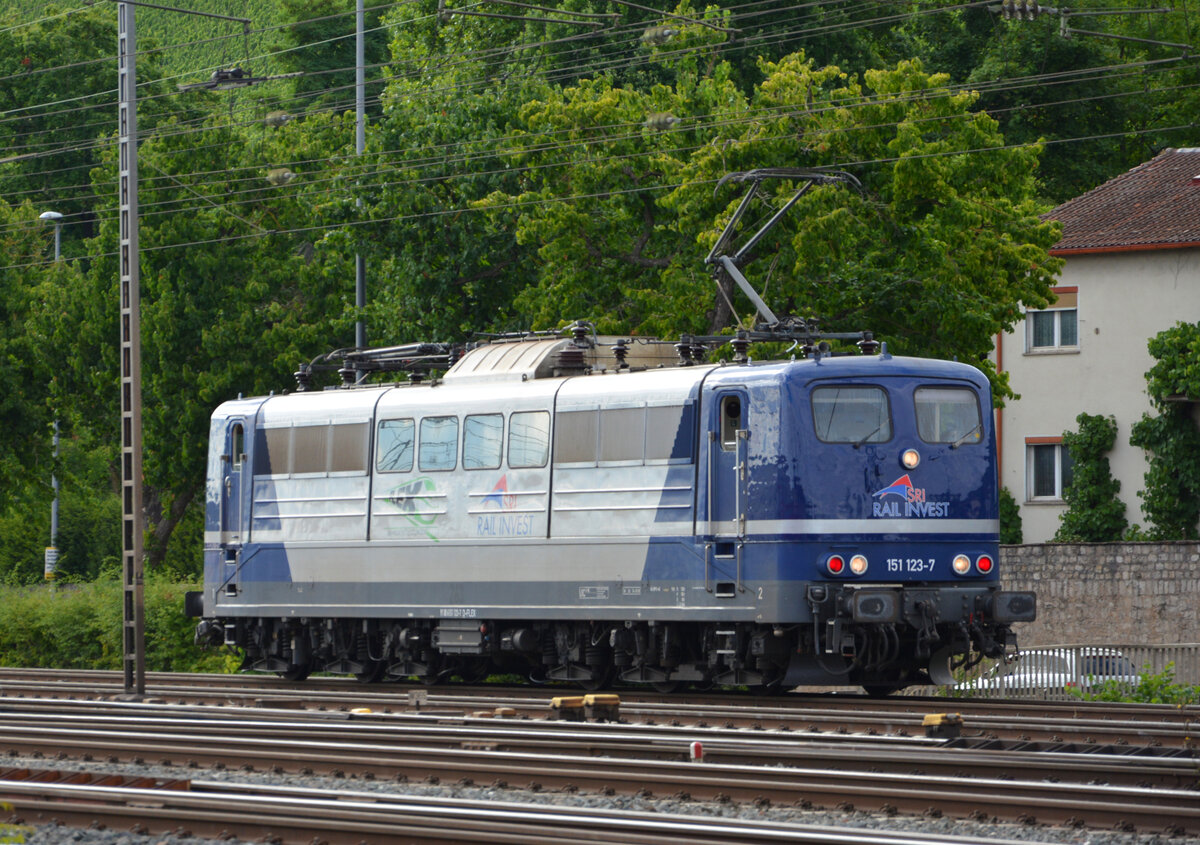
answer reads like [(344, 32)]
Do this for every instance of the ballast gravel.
[(967, 829)]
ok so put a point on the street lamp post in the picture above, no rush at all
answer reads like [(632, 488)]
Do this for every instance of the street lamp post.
[(51, 562), (56, 218)]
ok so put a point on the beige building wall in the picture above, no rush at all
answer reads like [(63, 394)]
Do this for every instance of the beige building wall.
[(1123, 299)]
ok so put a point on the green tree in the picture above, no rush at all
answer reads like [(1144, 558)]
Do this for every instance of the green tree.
[(56, 102), (318, 42), (232, 300), (622, 214), (1094, 513), (27, 371), (1171, 497)]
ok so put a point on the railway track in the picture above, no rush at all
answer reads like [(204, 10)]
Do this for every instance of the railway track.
[(290, 814), (883, 774), (84, 729), (1077, 723)]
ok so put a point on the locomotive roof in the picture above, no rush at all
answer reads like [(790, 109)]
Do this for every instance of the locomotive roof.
[(491, 371), (523, 360)]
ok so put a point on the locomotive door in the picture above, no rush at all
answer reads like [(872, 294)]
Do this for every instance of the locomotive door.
[(728, 439), (233, 484)]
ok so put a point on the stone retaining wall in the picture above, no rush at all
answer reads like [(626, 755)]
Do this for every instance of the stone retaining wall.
[(1107, 592)]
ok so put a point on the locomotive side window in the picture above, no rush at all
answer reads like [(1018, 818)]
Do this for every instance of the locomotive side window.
[(575, 435), (439, 443), (851, 414), (483, 438), (395, 449), (528, 439), (310, 448), (731, 421), (623, 434), (669, 432), (348, 447), (948, 415), (272, 452)]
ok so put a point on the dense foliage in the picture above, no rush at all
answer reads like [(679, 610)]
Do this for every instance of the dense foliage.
[(524, 168), (1094, 512), (1171, 497), (79, 627), (1010, 518), (1152, 688)]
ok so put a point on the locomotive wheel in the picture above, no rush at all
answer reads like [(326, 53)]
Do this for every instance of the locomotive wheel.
[(373, 672), (295, 672), (667, 687)]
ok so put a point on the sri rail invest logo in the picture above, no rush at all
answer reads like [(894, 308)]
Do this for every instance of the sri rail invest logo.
[(903, 499)]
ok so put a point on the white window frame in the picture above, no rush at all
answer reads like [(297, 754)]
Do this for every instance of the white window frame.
[(1031, 447), (1068, 297)]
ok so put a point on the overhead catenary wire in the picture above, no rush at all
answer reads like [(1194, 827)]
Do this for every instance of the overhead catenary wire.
[(202, 127), (695, 123), (633, 28), (595, 195), (174, 204), (436, 91), (551, 79)]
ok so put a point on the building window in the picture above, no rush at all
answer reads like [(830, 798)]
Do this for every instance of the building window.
[(1048, 468), (1058, 326)]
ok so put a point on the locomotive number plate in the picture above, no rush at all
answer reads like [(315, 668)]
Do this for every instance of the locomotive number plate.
[(910, 564)]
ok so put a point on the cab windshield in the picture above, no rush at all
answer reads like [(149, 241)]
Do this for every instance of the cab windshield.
[(948, 415), (845, 414)]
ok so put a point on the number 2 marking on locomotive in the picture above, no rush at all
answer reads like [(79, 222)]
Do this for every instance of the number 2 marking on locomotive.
[(760, 594)]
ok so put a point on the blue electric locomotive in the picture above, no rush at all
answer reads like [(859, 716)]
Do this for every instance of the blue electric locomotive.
[(547, 509)]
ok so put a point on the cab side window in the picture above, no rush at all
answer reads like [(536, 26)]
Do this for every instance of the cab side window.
[(483, 439), (438, 448), (395, 449)]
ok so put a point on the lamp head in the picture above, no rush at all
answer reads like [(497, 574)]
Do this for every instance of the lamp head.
[(50, 215)]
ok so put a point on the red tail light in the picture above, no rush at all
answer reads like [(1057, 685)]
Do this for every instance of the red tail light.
[(984, 563), (836, 564)]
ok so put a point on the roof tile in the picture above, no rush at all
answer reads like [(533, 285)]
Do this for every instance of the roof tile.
[(1156, 205)]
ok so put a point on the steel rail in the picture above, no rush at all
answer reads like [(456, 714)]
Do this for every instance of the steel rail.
[(293, 815), (1087, 722), (880, 754), (1102, 806)]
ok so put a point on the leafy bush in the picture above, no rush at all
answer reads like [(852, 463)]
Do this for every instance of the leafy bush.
[(1010, 519), (1157, 688), (1171, 498), (78, 626), (1094, 513)]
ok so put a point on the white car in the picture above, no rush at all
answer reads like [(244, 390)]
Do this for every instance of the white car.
[(1038, 671)]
